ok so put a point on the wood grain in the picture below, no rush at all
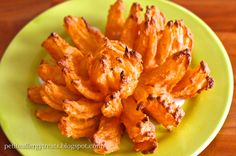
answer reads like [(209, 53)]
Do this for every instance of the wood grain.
[(219, 15)]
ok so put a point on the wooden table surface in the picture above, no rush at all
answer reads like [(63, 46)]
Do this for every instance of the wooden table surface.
[(219, 15)]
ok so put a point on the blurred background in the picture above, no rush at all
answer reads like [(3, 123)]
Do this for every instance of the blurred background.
[(219, 15)]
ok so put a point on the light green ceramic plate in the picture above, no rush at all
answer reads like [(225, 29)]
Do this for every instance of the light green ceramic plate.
[(205, 114)]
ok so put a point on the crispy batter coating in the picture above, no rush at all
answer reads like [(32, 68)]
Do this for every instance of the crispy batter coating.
[(80, 85), (57, 47), (82, 108), (170, 73), (54, 95), (113, 105), (194, 82), (157, 83), (115, 67), (175, 37), (107, 138), (115, 20), (150, 31), (138, 126), (78, 82), (113, 70), (49, 114), (78, 128), (86, 38), (46, 72), (131, 27), (34, 94), (163, 109)]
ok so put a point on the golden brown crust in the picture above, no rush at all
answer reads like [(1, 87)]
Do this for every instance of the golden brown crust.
[(113, 106), (138, 126), (107, 138), (146, 147), (34, 94), (150, 31), (54, 95), (131, 27), (78, 128), (175, 37), (75, 71), (57, 47), (115, 20), (157, 83), (47, 72), (86, 38), (114, 69), (194, 82), (49, 114), (167, 75), (164, 110), (82, 108)]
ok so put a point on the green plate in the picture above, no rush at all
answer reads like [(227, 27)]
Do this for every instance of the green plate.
[(205, 114)]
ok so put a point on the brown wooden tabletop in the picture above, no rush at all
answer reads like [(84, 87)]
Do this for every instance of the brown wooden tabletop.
[(219, 15)]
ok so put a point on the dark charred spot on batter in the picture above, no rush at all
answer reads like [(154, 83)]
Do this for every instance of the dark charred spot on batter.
[(199, 91), (137, 6), (132, 16), (112, 96), (65, 70), (139, 124), (66, 101), (150, 97), (153, 7), (169, 107), (41, 62), (186, 52), (106, 104), (126, 49), (151, 149), (158, 98), (176, 23), (119, 59), (62, 63), (67, 20), (147, 23), (179, 23), (178, 115), (103, 60), (74, 82), (140, 106), (170, 23), (132, 54), (204, 67), (210, 82), (147, 16), (53, 34), (145, 119), (122, 127), (123, 77), (148, 10), (86, 23)]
